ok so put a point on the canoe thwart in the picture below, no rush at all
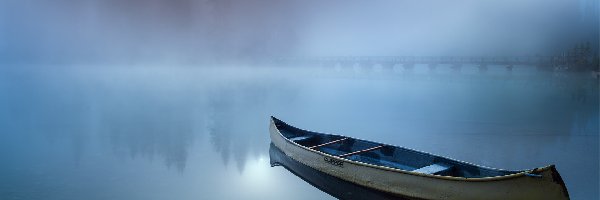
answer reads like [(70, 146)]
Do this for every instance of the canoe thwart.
[(361, 151), (327, 143)]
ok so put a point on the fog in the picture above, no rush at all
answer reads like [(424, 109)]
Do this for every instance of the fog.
[(170, 99), (200, 133), (226, 31)]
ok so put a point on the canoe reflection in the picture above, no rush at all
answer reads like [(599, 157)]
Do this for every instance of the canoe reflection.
[(331, 185)]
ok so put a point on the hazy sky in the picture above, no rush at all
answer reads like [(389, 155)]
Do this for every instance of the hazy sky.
[(183, 31)]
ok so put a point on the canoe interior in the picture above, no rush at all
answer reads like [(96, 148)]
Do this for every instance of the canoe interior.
[(332, 185), (384, 155)]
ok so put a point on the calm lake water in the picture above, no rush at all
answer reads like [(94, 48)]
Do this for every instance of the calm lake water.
[(138, 132)]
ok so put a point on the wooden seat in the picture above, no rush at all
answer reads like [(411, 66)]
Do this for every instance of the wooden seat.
[(433, 168)]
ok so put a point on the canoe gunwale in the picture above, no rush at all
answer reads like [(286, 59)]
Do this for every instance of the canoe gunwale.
[(519, 174)]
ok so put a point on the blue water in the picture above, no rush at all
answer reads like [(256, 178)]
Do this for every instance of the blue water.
[(177, 132)]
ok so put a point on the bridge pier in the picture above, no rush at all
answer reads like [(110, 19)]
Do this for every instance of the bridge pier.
[(387, 66), (338, 66), (482, 68), (356, 67), (509, 68), (456, 67), (432, 66), (326, 64), (346, 64), (539, 67), (368, 66), (408, 66)]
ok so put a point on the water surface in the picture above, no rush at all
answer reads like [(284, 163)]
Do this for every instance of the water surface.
[(138, 132)]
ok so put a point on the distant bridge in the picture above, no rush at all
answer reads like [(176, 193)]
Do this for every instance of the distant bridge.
[(456, 62)]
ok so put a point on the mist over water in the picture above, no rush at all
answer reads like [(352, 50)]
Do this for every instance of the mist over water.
[(170, 99), (201, 133)]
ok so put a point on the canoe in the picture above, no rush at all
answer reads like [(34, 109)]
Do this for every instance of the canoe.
[(409, 173), (331, 185)]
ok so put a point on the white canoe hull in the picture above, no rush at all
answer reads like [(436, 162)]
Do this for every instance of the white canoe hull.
[(424, 186)]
